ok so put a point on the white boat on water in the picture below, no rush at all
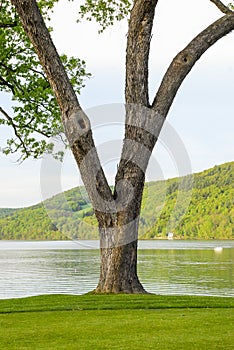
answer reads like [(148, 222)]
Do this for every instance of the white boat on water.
[(218, 249)]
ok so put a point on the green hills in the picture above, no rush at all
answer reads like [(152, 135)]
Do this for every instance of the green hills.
[(192, 207)]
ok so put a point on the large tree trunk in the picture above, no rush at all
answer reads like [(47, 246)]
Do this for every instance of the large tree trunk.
[(119, 235), (119, 230), (118, 271)]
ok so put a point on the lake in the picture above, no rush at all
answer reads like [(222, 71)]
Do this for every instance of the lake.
[(72, 267)]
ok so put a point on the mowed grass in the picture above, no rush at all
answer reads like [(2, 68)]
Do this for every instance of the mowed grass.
[(117, 322)]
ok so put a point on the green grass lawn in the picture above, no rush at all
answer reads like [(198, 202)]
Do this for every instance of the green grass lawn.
[(117, 322)]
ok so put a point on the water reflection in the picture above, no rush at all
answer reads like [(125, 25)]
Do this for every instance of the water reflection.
[(25, 273), (40, 268), (201, 272)]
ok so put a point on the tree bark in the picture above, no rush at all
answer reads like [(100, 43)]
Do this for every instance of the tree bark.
[(137, 148), (118, 272), (138, 48), (119, 242)]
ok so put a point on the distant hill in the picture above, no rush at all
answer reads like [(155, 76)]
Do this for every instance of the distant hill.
[(202, 210), (6, 211)]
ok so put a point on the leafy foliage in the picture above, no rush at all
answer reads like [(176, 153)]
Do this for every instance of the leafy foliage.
[(36, 115), (231, 5), (105, 12), (211, 210), (209, 215), (6, 211)]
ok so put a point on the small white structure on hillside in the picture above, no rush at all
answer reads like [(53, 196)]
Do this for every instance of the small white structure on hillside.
[(170, 235)]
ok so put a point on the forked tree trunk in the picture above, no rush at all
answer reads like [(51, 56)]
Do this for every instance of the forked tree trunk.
[(119, 233), (118, 213)]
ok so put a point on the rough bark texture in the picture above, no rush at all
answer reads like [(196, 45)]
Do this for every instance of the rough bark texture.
[(114, 276), (118, 213), (138, 47), (223, 8)]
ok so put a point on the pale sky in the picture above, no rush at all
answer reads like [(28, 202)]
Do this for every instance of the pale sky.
[(202, 113)]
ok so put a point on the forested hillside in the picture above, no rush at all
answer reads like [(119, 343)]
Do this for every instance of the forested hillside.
[(6, 211), (203, 211)]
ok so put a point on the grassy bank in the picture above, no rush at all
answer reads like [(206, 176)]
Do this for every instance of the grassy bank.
[(117, 322)]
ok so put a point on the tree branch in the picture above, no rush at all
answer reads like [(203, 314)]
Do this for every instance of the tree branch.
[(137, 142), (223, 8), (186, 59), (7, 67), (39, 73), (8, 25), (28, 126), (35, 130), (6, 115), (138, 46), (3, 82)]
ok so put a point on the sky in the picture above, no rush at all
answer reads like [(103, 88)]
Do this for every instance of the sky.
[(201, 116)]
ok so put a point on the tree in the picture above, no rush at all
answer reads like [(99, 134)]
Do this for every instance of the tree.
[(118, 212)]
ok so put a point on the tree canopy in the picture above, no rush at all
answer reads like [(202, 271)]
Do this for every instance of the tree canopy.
[(35, 115)]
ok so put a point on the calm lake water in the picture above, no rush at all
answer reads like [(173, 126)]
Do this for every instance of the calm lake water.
[(72, 267)]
